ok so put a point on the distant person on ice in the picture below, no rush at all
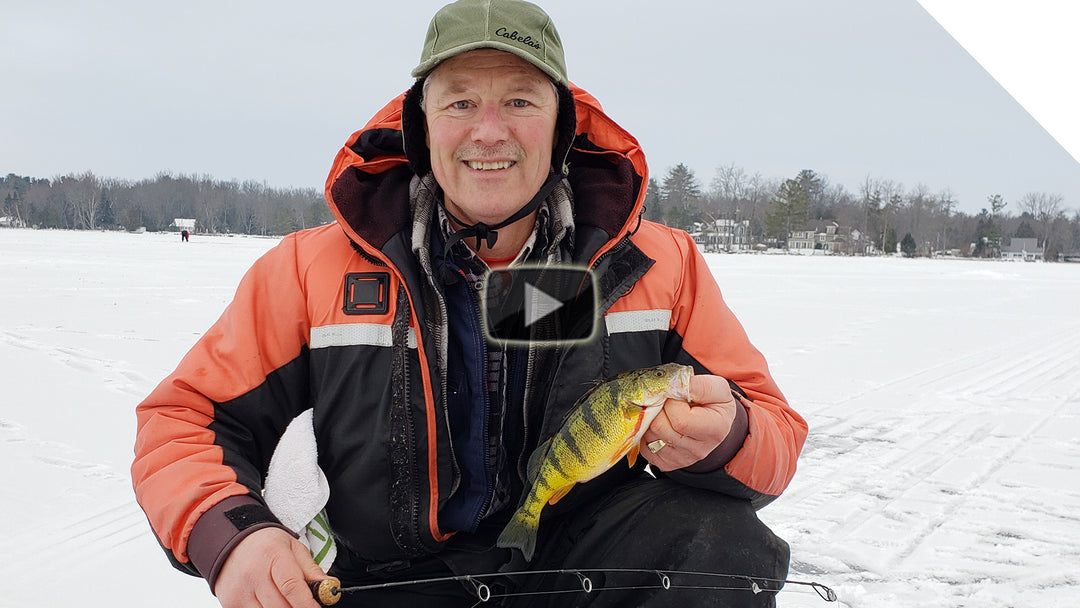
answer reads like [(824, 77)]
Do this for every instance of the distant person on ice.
[(423, 426), (183, 236)]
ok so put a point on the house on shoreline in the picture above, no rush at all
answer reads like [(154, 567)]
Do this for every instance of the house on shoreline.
[(722, 235), (834, 238), (1022, 249)]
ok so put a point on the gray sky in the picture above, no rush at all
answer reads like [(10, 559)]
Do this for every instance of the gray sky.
[(270, 90)]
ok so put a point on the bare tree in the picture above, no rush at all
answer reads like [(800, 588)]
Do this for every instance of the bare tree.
[(728, 188), (84, 196), (871, 198), (945, 202), (1044, 208), (919, 200)]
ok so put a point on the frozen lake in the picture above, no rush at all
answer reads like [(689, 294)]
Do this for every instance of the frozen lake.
[(943, 398)]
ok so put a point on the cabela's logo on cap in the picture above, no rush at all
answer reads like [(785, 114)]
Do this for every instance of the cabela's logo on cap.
[(514, 35)]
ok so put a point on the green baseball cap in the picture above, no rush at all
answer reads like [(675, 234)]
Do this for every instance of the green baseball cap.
[(514, 26)]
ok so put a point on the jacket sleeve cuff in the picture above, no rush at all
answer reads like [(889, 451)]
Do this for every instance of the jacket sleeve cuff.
[(221, 528), (727, 449), (709, 473)]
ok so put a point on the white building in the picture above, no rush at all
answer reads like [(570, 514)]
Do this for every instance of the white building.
[(723, 235), (1022, 250), (184, 224), (801, 240), (835, 239)]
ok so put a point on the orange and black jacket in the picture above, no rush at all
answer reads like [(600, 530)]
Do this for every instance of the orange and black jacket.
[(340, 319)]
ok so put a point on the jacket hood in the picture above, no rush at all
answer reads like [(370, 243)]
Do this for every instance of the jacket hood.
[(368, 185)]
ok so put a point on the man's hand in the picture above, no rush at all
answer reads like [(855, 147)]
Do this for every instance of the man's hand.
[(268, 569), (691, 431)]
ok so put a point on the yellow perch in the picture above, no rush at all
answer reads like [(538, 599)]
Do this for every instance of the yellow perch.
[(605, 424)]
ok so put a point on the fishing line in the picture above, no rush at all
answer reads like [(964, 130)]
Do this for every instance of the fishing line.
[(484, 592), (606, 588)]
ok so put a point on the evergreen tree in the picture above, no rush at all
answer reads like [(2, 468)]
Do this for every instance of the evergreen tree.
[(982, 235), (789, 210), (889, 241), (992, 227), (681, 196), (813, 186), (908, 246), (1024, 231)]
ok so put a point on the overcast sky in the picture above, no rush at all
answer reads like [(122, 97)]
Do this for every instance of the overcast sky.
[(269, 90)]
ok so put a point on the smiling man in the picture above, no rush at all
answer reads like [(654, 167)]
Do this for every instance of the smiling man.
[(423, 424), (490, 123)]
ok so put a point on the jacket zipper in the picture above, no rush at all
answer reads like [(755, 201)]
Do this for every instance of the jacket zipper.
[(477, 332), (410, 426), (440, 329), (523, 457)]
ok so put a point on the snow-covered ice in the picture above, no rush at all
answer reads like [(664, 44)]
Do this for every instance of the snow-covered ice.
[(943, 398)]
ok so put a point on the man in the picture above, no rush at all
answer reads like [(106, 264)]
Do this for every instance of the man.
[(423, 424)]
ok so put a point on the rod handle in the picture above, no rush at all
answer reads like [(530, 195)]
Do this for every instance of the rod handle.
[(327, 591)]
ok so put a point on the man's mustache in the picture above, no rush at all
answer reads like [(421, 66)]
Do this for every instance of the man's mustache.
[(503, 151)]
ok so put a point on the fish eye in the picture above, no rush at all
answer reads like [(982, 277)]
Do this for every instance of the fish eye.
[(659, 374)]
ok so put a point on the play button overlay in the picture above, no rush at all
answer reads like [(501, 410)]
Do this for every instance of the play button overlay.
[(540, 305)]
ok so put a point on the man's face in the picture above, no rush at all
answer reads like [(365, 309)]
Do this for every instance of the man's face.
[(490, 128)]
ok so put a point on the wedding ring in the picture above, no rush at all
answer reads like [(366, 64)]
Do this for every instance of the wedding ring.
[(656, 446)]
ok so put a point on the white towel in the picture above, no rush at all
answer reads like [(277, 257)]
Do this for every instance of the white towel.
[(296, 489)]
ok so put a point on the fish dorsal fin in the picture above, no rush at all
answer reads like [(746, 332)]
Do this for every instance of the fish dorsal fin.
[(537, 457)]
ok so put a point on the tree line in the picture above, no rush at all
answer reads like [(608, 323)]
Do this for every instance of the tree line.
[(89, 202), (884, 211)]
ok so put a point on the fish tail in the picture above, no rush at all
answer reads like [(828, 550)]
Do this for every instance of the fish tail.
[(520, 533)]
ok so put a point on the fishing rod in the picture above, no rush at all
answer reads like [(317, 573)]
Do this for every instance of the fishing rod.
[(328, 591)]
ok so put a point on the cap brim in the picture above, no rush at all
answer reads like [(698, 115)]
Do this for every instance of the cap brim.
[(425, 68)]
